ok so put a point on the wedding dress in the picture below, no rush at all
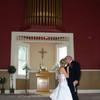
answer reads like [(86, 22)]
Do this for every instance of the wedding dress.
[(62, 91)]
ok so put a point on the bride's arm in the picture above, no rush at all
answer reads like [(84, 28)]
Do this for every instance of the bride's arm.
[(64, 72)]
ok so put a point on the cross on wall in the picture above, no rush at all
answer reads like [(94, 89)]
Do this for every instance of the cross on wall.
[(42, 52)]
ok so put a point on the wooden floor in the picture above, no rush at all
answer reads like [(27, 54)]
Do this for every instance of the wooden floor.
[(44, 97)]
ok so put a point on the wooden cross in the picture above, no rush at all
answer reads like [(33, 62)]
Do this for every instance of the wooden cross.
[(42, 53)]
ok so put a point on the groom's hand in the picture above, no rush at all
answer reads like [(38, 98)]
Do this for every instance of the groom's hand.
[(75, 82)]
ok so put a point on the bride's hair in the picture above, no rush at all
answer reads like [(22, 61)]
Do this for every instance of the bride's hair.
[(63, 62)]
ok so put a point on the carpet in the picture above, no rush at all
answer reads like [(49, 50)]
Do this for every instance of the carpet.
[(85, 96)]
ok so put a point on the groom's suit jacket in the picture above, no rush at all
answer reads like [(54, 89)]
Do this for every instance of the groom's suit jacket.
[(74, 72)]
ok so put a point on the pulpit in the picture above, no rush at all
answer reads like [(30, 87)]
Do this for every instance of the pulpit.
[(43, 81)]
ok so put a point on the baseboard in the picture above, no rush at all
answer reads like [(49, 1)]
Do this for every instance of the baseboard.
[(34, 91), (89, 91)]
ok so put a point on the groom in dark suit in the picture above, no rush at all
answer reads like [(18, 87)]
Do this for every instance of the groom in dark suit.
[(73, 67)]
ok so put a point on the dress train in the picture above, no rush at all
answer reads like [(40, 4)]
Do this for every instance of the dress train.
[(62, 91)]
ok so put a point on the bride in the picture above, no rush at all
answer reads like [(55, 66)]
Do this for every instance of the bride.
[(62, 91)]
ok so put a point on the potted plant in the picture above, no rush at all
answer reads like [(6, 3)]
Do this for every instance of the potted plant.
[(2, 82), (11, 71)]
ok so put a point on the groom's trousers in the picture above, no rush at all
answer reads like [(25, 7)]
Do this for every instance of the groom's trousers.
[(73, 90)]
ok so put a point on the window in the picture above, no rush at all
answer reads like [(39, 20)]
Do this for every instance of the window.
[(61, 52), (22, 59)]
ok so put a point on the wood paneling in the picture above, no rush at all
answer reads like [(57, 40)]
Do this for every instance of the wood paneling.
[(90, 80), (21, 84), (4, 73)]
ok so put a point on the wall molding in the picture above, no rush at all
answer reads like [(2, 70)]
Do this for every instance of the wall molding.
[(90, 69), (53, 71), (89, 91)]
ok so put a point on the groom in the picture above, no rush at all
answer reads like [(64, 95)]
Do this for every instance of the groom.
[(73, 67)]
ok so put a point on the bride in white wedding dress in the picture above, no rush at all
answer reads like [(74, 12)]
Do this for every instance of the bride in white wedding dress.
[(62, 91)]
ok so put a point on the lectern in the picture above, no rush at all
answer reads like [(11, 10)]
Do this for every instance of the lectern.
[(43, 81)]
